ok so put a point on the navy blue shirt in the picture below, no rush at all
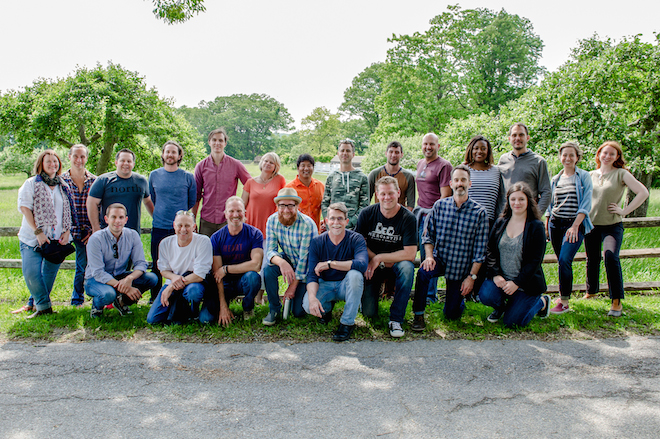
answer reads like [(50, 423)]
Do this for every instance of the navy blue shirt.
[(352, 247)]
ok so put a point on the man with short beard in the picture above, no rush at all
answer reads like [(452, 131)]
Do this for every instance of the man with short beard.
[(455, 245), (291, 231), (405, 178)]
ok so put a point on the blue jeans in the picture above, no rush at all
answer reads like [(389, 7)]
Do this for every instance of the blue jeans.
[(454, 301), (104, 294), (403, 273), (157, 235), (349, 290), (39, 275), (78, 293), (519, 308), (246, 284), (565, 252), (610, 238), (184, 305), (271, 273), (433, 283)]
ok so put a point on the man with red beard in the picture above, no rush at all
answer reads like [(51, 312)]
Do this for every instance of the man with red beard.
[(291, 231)]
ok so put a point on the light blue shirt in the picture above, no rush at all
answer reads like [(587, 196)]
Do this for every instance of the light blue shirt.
[(102, 265)]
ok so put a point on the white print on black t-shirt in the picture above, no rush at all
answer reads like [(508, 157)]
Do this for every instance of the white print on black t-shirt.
[(384, 234)]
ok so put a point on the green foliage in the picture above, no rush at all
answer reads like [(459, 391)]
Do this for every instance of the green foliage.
[(469, 61), (360, 97), (105, 108), (13, 162), (412, 152), (251, 122), (321, 131), (177, 11)]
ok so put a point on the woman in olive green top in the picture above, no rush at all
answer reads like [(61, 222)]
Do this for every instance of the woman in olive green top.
[(609, 181)]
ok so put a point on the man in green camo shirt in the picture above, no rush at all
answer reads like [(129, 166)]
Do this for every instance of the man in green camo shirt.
[(348, 185)]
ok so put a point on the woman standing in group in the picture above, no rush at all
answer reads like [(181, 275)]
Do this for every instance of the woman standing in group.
[(568, 217), (44, 202), (609, 182), (515, 282), (487, 184), (259, 192)]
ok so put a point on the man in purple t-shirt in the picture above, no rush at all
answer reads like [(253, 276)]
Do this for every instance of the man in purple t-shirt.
[(433, 178), (217, 179)]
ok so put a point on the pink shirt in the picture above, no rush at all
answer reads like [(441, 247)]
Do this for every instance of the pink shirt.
[(216, 183), (260, 204), (430, 178)]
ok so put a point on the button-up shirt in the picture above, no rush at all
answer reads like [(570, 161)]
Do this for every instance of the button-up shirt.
[(459, 235), (311, 195), (293, 240), (102, 265), (81, 226), (216, 183)]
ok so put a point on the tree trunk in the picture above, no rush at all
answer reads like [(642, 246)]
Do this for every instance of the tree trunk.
[(646, 179), (106, 155)]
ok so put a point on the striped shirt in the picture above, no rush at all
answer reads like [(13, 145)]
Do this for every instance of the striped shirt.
[(488, 190), (565, 202), (459, 235), (81, 226), (294, 241)]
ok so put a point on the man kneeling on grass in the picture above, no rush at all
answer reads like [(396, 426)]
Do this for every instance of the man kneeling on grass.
[(337, 262), (110, 253), (184, 260)]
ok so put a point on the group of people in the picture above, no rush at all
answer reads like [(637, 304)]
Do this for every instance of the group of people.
[(477, 224)]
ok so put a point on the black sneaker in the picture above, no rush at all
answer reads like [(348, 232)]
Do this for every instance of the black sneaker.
[(418, 324), (545, 311), (495, 316), (120, 307), (343, 333)]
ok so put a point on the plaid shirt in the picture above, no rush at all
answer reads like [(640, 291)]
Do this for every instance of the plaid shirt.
[(459, 235), (293, 240), (81, 225)]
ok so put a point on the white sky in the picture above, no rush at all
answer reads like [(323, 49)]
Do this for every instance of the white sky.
[(303, 53)]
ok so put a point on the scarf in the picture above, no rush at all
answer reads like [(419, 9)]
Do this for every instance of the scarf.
[(44, 207)]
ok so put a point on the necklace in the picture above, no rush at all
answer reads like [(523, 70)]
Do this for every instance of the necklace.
[(392, 175), (265, 182)]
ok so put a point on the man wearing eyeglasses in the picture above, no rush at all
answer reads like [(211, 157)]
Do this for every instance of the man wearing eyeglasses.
[(171, 189), (110, 253), (291, 231), (184, 260), (336, 266), (348, 185)]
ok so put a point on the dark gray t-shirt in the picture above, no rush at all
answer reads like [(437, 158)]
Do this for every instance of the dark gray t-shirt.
[(510, 255), (111, 188)]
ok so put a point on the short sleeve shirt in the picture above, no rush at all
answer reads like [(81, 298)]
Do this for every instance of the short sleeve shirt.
[(110, 189), (387, 235), (236, 249), (430, 178)]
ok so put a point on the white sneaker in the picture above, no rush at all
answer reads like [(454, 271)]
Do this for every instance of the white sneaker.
[(396, 330)]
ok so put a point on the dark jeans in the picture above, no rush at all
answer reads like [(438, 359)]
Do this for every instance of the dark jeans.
[(402, 273), (78, 294), (183, 304), (157, 235), (432, 290), (271, 274), (610, 238), (246, 284), (565, 252), (519, 308), (454, 301)]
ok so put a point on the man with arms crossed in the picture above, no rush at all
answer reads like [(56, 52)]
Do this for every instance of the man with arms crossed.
[(310, 190), (455, 244), (121, 186), (171, 189), (217, 179), (237, 256), (348, 185), (184, 260), (110, 253), (80, 181), (522, 164), (337, 262), (392, 168), (289, 230), (391, 236)]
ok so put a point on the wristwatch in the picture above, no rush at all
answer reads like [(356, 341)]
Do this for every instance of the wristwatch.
[(329, 262), (473, 276)]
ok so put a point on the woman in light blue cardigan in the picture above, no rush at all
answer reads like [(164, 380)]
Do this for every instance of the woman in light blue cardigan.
[(568, 217)]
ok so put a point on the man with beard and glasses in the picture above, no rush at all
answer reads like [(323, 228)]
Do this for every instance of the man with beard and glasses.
[(455, 241), (291, 231), (405, 178)]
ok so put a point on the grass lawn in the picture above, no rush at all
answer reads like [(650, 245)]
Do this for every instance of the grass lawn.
[(587, 319)]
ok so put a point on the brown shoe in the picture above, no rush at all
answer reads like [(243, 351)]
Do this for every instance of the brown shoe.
[(41, 313), (418, 325)]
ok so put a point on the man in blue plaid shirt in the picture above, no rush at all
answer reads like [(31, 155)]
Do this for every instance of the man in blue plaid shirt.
[(455, 243), (292, 231)]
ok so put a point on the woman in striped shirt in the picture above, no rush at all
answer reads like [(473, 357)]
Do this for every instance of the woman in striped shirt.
[(568, 217), (487, 185)]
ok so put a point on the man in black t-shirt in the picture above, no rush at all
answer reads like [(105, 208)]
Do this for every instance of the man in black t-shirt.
[(390, 232)]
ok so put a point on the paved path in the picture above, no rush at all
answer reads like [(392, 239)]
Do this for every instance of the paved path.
[(423, 389)]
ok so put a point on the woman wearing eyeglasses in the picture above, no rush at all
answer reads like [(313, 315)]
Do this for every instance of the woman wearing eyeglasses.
[(45, 204)]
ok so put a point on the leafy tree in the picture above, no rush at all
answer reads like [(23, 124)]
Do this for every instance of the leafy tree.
[(251, 122), (103, 108), (321, 130), (177, 11), (469, 61), (360, 97)]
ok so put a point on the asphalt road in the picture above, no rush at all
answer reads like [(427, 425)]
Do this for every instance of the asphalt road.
[(421, 389)]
